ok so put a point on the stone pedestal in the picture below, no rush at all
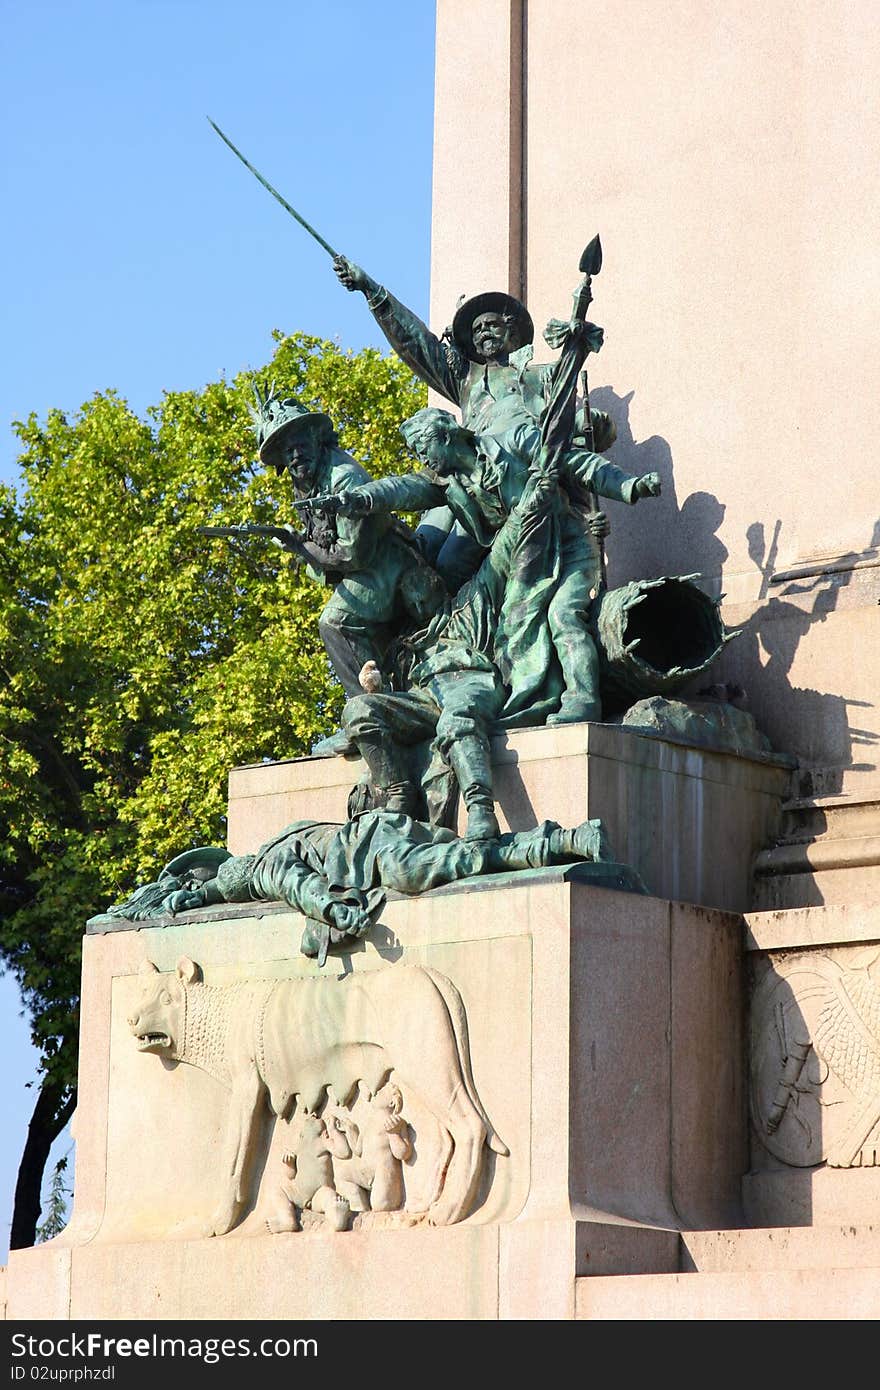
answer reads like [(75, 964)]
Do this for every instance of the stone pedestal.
[(650, 1162), (604, 1035), (814, 1058), (688, 820), (827, 851)]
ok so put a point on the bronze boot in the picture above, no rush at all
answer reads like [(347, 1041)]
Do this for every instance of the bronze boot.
[(469, 757)]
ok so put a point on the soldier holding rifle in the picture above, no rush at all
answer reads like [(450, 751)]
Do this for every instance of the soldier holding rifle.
[(365, 559), (484, 364)]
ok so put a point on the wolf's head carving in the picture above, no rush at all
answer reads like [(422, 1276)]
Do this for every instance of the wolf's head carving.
[(158, 1021)]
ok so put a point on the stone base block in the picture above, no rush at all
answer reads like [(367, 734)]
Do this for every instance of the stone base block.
[(814, 1062), (799, 1274), (812, 1196), (622, 1272), (800, 1295), (807, 655), (399, 1275), (599, 1032), (689, 820), (780, 1248), (828, 852)]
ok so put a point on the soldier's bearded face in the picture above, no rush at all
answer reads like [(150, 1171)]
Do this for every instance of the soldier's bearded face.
[(300, 454), (493, 335)]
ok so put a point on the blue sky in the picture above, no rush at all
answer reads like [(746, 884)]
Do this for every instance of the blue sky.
[(138, 254)]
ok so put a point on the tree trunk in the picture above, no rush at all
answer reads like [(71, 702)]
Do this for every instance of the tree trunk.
[(54, 1107)]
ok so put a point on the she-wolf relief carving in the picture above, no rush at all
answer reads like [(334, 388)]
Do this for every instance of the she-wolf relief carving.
[(815, 1061), (321, 1053)]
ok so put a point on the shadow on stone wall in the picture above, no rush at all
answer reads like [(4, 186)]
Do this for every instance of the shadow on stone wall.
[(814, 725), (665, 536), (658, 536)]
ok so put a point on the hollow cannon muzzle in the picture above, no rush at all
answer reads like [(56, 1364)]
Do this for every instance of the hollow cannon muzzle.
[(655, 636)]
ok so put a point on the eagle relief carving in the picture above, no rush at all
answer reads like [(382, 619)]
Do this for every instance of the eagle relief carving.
[(815, 1060)]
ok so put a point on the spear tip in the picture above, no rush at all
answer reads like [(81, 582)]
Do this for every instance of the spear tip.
[(591, 260)]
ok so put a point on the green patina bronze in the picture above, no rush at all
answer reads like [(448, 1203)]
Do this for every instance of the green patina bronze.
[(542, 640), (493, 614), (337, 875), (708, 721), (366, 560), (450, 682), (484, 362), (274, 191), (656, 636)]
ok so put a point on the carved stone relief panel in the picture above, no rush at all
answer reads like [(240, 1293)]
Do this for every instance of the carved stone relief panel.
[(343, 1065), (815, 1060)]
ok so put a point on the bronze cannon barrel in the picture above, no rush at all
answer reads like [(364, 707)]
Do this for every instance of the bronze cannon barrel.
[(655, 636)]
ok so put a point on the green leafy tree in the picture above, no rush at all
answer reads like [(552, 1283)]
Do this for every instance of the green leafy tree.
[(140, 661), (56, 1204)]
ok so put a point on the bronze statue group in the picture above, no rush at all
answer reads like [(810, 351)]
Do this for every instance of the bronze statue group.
[(481, 619)]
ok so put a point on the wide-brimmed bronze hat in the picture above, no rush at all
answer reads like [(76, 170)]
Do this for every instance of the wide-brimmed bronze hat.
[(206, 857), (492, 302), (275, 418)]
